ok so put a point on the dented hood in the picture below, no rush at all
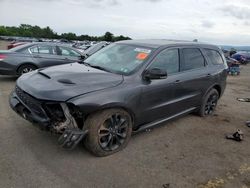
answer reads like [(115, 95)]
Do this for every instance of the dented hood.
[(61, 83)]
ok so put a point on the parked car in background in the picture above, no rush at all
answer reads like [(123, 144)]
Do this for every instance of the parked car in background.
[(31, 56), (231, 60), (127, 86), (82, 47), (15, 44), (242, 57), (94, 48)]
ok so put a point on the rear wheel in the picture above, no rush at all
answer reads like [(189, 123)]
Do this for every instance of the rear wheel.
[(26, 68), (109, 131), (209, 103)]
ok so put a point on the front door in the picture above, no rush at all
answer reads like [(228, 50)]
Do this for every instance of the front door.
[(68, 55), (158, 96)]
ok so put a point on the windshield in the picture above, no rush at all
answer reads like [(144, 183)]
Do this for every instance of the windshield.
[(119, 58)]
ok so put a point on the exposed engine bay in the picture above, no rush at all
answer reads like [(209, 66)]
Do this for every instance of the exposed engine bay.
[(63, 122)]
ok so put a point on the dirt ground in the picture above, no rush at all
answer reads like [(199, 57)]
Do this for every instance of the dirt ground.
[(188, 152)]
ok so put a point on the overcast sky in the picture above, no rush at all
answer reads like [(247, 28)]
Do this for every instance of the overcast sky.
[(214, 21)]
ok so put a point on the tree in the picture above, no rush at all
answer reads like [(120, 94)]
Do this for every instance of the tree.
[(26, 30), (48, 33), (108, 37), (121, 37), (69, 36), (3, 31)]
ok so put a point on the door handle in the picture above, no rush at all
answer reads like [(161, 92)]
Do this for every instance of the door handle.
[(208, 75), (177, 81), (37, 56)]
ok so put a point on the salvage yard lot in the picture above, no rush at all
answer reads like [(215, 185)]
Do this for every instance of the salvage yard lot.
[(188, 152)]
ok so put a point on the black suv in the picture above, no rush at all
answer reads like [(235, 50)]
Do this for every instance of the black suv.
[(126, 87)]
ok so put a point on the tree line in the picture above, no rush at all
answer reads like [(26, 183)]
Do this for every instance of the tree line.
[(26, 30)]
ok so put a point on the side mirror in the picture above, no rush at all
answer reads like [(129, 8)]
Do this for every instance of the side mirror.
[(155, 73), (82, 57)]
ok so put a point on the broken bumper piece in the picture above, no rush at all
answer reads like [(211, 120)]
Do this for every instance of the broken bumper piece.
[(71, 137)]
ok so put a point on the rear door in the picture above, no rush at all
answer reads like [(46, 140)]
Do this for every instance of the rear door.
[(45, 55), (194, 78), (68, 55)]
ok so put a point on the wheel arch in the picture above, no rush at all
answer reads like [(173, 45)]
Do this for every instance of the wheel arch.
[(214, 86), (97, 108), (26, 63), (130, 112), (218, 88)]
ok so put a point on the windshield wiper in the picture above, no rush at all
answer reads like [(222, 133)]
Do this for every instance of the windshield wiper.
[(98, 67), (95, 66)]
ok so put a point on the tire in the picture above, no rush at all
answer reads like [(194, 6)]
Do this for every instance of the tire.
[(25, 69), (209, 103), (109, 131)]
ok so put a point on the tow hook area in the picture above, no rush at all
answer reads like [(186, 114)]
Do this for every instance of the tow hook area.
[(71, 137)]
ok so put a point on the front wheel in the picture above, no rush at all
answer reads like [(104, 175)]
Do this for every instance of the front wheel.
[(109, 131), (209, 103)]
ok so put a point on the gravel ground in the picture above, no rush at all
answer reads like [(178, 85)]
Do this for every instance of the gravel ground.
[(187, 152)]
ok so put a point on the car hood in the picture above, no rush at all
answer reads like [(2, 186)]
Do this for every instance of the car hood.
[(63, 82)]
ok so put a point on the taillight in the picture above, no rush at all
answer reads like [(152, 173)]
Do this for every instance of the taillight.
[(2, 57)]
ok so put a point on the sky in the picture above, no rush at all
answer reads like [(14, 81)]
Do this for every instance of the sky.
[(219, 22)]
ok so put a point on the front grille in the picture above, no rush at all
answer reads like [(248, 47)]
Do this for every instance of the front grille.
[(31, 102)]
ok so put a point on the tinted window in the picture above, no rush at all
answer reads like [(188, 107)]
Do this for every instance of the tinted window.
[(193, 59), (67, 52), (214, 56), (167, 60), (43, 49)]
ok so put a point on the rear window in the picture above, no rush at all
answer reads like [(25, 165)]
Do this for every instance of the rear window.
[(193, 59), (214, 56)]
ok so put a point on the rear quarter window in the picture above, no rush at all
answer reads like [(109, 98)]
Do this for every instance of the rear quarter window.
[(214, 56)]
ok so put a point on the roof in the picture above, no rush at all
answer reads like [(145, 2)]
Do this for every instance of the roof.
[(52, 43), (156, 43)]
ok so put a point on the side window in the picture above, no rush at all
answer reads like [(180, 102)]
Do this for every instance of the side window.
[(167, 60), (43, 49), (46, 49), (214, 56), (34, 50), (192, 59), (67, 52)]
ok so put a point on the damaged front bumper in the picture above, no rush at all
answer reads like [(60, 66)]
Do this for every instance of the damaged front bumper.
[(33, 110), (29, 108)]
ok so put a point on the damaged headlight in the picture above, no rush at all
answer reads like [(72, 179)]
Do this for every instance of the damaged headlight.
[(64, 116), (55, 112)]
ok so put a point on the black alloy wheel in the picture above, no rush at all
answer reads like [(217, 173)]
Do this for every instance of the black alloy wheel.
[(113, 132), (211, 104), (109, 131)]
